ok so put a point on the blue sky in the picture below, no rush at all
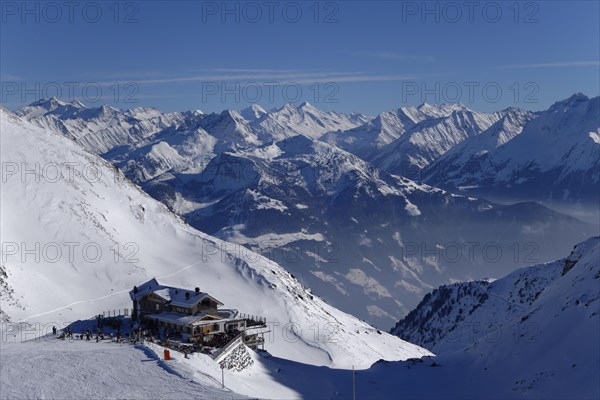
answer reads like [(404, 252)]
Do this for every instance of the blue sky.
[(345, 56)]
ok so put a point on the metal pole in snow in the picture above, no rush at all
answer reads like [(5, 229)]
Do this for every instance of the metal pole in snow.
[(222, 376), (353, 385)]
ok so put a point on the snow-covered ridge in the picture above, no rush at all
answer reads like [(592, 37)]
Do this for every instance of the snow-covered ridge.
[(430, 138), (101, 129), (388, 126), (462, 158), (306, 120), (453, 317), (551, 156), (98, 129)]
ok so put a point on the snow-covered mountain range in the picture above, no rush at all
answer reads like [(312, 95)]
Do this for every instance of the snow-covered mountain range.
[(304, 119), (367, 241), (318, 192), (431, 137), (366, 139), (465, 154), (551, 156), (77, 236), (98, 129)]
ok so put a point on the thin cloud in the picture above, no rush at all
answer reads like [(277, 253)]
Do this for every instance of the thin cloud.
[(390, 55), (562, 64), (361, 78), (266, 77), (251, 70)]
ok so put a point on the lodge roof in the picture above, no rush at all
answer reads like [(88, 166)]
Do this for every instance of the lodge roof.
[(176, 296), (190, 320)]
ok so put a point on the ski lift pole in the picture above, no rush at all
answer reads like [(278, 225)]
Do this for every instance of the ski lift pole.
[(353, 385)]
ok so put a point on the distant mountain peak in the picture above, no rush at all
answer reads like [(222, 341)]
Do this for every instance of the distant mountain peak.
[(306, 106), (229, 115), (256, 107), (513, 110), (288, 107), (78, 104), (569, 102), (49, 104), (107, 110), (578, 97), (106, 107), (302, 107), (253, 112), (442, 106)]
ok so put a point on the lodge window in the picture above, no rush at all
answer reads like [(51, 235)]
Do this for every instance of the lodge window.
[(206, 303)]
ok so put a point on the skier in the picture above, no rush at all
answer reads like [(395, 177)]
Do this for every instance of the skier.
[(54, 330)]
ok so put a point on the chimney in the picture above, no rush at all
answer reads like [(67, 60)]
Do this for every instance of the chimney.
[(187, 295), (197, 291)]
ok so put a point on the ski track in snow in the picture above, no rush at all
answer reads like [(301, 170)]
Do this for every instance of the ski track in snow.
[(105, 297)]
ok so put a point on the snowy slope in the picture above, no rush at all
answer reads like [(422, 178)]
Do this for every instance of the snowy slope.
[(456, 316), (56, 369), (552, 350), (97, 235), (170, 151), (547, 349)]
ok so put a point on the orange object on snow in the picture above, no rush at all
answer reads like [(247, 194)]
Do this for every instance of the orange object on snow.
[(167, 355)]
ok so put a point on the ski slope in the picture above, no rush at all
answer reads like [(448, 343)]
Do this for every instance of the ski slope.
[(57, 369)]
